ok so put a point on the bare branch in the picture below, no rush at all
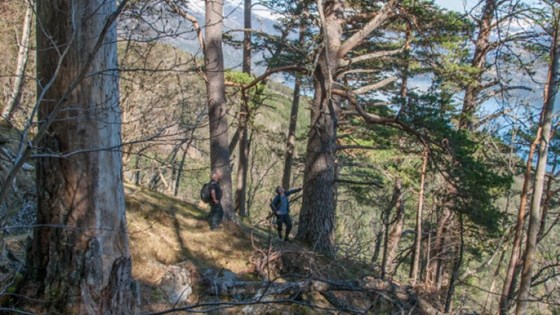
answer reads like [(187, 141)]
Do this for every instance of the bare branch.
[(273, 71), (377, 54), (372, 25), (189, 18), (354, 182), (375, 86)]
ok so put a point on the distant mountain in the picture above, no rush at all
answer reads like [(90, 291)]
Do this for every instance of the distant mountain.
[(152, 22)]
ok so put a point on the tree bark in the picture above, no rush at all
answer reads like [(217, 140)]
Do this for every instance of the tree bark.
[(243, 165), (14, 98), (481, 49), (438, 253), (457, 262), (317, 217), (247, 11), (181, 166), (548, 198), (394, 231), (79, 260), (418, 237), (535, 215), (242, 168), (516, 246), (291, 142), (217, 110)]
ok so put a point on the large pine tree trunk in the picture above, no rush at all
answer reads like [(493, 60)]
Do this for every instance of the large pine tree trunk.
[(317, 215), (79, 261), (217, 110), (535, 214)]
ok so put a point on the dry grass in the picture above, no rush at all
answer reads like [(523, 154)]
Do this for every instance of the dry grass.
[(165, 231)]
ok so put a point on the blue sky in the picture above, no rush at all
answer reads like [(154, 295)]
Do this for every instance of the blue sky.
[(456, 5), (459, 5)]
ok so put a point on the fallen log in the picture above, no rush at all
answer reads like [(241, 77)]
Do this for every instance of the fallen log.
[(404, 295)]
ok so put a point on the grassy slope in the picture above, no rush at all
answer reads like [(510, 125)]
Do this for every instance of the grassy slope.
[(164, 231)]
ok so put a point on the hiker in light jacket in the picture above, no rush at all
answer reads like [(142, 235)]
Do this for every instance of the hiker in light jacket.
[(281, 207)]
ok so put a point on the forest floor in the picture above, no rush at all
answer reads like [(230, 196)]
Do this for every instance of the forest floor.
[(166, 232), (177, 259), (180, 265)]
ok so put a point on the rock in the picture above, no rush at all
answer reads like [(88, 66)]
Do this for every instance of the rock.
[(177, 283)]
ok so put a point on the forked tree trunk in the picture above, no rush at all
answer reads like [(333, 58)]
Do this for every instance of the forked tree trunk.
[(466, 122), (217, 110), (79, 261), (317, 215), (535, 215)]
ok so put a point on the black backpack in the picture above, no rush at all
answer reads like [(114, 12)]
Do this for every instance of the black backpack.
[(205, 193), (274, 204)]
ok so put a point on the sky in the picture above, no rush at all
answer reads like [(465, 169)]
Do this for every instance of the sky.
[(456, 5), (459, 5)]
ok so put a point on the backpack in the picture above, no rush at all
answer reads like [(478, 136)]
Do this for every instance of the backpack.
[(273, 204), (205, 193)]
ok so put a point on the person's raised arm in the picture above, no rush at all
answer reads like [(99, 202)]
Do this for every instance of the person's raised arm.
[(293, 191)]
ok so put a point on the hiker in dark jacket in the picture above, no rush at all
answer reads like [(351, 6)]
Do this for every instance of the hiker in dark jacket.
[(281, 207), (216, 210)]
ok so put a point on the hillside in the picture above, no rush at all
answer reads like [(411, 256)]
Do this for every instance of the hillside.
[(179, 264), (166, 234)]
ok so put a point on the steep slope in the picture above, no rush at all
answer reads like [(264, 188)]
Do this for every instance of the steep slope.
[(181, 264)]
